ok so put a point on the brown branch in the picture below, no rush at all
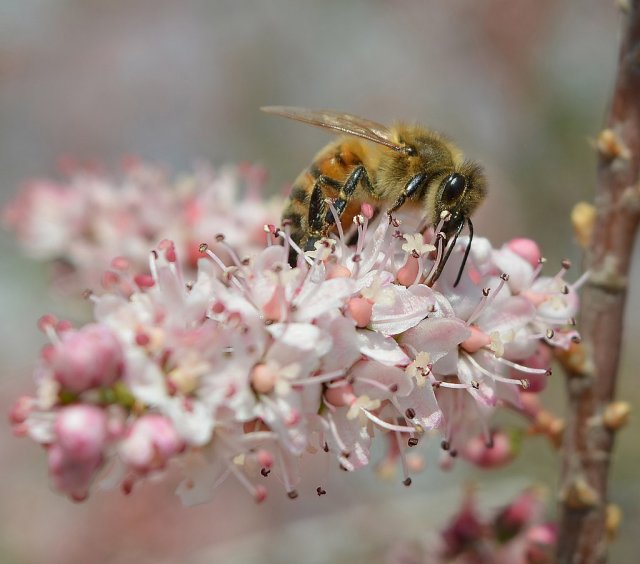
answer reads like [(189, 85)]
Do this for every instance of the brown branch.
[(592, 371)]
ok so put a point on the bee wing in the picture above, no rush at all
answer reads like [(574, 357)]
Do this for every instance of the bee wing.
[(345, 123)]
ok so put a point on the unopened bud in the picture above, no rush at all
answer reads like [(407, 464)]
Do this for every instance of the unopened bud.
[(579, 494), (613, 518), (616, 415)]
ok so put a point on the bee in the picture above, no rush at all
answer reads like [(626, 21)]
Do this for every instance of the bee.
[(406, 166)]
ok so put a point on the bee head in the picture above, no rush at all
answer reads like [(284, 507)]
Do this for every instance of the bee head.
[(460, 193)]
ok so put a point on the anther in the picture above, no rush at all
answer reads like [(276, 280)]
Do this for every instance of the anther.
[(410, 413), (504, 276), (475, 384), (566, 264), (407, 482), (565, 290), (550, 333), (86, 294), (444, 445), (265, 472), (485, 291), (219, 237), (542, 260), (292, 494), (453, 453), (525, 384), (202, 248), (321, 491), (325, 447), (393, 388), (412, 442)]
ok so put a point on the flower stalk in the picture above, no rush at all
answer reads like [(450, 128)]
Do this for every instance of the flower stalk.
[(592, 367)]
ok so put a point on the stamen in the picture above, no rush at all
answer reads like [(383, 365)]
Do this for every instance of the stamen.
[(452, 385), (374, 383), (386, 425), (487, 299), (440, 245), (480, 307), (286, 224), (338, 223), (241, 477), (403, 459), (334, 431), (234, 257), (580, 281), (320, 378), (288, 240), (269, 230), (495, 377), (286, 479), (518, 367)]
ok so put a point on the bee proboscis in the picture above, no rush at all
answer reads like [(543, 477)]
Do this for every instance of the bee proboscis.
[(388, 167)]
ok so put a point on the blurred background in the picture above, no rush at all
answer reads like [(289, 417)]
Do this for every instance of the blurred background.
[(521, 85)]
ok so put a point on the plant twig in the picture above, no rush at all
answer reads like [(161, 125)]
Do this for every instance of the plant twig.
[(593, 366)]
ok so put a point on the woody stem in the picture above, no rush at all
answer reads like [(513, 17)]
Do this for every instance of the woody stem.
[(592, 368)]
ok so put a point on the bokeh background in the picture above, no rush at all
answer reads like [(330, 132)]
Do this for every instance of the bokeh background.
[(522, 85)]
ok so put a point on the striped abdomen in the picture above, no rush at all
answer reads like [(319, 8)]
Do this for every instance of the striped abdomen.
[(329, 169)]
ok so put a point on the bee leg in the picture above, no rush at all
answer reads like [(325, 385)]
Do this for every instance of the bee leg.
[(317, 212), (358, 175), (410, 190), (320, 215)]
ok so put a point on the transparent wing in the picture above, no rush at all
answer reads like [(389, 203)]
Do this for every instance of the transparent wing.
[(345, 123)]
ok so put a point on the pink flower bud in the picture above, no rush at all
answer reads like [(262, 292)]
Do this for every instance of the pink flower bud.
[(512, 520), (499, 453), (21, 409), (360, 310), (19, 413), (263, 378), (527, 249), (260, 493), (265, 458), (367, 210), (337, 271), (88, 358), (340, 395), (151, 441), (71, 476), (81, 431), (477, 340), (408, 273)]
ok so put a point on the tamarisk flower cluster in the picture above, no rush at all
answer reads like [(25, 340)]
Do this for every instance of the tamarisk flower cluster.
[(515, 534), (80, 225), (247, 365)]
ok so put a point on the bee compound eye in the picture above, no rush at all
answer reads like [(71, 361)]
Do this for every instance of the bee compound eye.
[(453, 187)]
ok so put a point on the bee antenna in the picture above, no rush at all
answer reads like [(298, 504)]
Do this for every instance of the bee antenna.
[(466, 254)]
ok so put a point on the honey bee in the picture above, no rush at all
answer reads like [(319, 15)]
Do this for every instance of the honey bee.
[(398, 166)]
